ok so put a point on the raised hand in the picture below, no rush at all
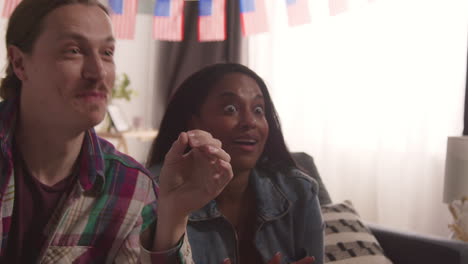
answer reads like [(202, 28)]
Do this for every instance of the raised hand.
[(189, 181)]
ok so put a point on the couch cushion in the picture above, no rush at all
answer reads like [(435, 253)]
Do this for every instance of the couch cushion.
[(404, 247), (347, 239)]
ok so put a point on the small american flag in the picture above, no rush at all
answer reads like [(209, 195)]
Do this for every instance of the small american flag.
[(298, 12), (212, 20), (124, 17), (9, 6), (253, 17), (169, 20), (337, 6)]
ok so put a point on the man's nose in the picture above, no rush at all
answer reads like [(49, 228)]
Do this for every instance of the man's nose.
[(93, 68)]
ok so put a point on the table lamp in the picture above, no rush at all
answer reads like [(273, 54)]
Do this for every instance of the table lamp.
[(456, 185)]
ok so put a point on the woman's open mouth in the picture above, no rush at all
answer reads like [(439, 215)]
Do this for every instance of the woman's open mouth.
[(248, 145)]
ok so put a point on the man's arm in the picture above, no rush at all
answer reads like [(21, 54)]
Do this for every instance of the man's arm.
[(138, 245), (188, 181)]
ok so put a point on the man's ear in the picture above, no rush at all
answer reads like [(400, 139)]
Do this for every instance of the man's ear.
[(16, 59)]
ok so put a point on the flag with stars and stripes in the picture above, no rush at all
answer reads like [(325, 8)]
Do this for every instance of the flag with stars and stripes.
[(123, 16), (9, 6), (211, 20), (254, 17), (169, 20)]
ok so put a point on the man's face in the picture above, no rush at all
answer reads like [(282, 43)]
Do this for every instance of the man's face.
[(70, 72)]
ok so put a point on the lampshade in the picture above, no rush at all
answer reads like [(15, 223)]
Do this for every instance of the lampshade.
[(456, 169)]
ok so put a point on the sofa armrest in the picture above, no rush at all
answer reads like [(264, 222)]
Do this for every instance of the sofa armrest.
[(409, 248)]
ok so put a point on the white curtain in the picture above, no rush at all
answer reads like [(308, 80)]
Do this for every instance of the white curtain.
[(372, 95)]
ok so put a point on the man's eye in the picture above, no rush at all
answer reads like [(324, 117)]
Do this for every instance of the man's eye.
[(74, 51), (230, 109), (109, 53)]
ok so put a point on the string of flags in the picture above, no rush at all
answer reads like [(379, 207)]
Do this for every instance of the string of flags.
[(168, 21), (123, 17), (9, 6)]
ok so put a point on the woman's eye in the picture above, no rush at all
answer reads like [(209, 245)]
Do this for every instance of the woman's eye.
[(230, 109), (259, 110)]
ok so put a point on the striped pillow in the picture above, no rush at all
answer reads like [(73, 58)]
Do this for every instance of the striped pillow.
[(347, 239)]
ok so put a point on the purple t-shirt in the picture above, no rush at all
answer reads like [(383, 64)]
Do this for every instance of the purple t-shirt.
[(34, 205)]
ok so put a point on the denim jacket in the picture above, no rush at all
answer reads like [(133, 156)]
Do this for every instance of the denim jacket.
[(288, 220)]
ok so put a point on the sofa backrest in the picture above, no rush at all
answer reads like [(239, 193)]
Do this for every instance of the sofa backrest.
[(306, 163)]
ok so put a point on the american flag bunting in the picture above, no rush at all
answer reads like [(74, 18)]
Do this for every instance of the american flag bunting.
[(212, 20), (298, 12), (169, 20), (123, 16), (9, 6), (337, 7), (254, 17)]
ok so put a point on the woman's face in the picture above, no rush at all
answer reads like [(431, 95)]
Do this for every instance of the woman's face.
[(234, 112)]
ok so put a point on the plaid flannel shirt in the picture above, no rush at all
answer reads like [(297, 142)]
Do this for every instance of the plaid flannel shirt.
[(102, 218)]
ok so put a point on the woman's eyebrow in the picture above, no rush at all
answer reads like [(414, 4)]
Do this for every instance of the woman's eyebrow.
[(229, 94)]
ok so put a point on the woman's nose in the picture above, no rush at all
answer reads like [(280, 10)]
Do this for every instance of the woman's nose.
[(248, 120)]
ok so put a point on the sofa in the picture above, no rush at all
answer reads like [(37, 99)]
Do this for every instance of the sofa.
[(399, 247)]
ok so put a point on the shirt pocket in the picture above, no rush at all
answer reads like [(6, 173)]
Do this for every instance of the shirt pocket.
[(63, 254)]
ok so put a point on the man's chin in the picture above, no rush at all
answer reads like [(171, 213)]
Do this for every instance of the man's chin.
[(93, 120)]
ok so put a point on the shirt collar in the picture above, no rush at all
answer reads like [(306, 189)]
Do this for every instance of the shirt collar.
[(91, 160), (8, 113), (91, 168), (271, 201)]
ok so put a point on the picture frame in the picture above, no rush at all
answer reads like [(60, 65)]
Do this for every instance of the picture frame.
[(117, 117)]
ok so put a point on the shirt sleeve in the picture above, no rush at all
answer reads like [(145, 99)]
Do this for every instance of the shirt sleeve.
[(136, 246), (180, 254)]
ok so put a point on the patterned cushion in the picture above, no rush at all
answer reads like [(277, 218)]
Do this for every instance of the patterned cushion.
[(347, 239)]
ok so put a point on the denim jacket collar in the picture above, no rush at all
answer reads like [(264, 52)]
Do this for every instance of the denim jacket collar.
[(272, 203)]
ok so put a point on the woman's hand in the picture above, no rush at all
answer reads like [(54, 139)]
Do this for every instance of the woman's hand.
[(277, 260), (189, 181)]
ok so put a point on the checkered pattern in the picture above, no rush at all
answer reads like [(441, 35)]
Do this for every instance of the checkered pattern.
[(101, 219)]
